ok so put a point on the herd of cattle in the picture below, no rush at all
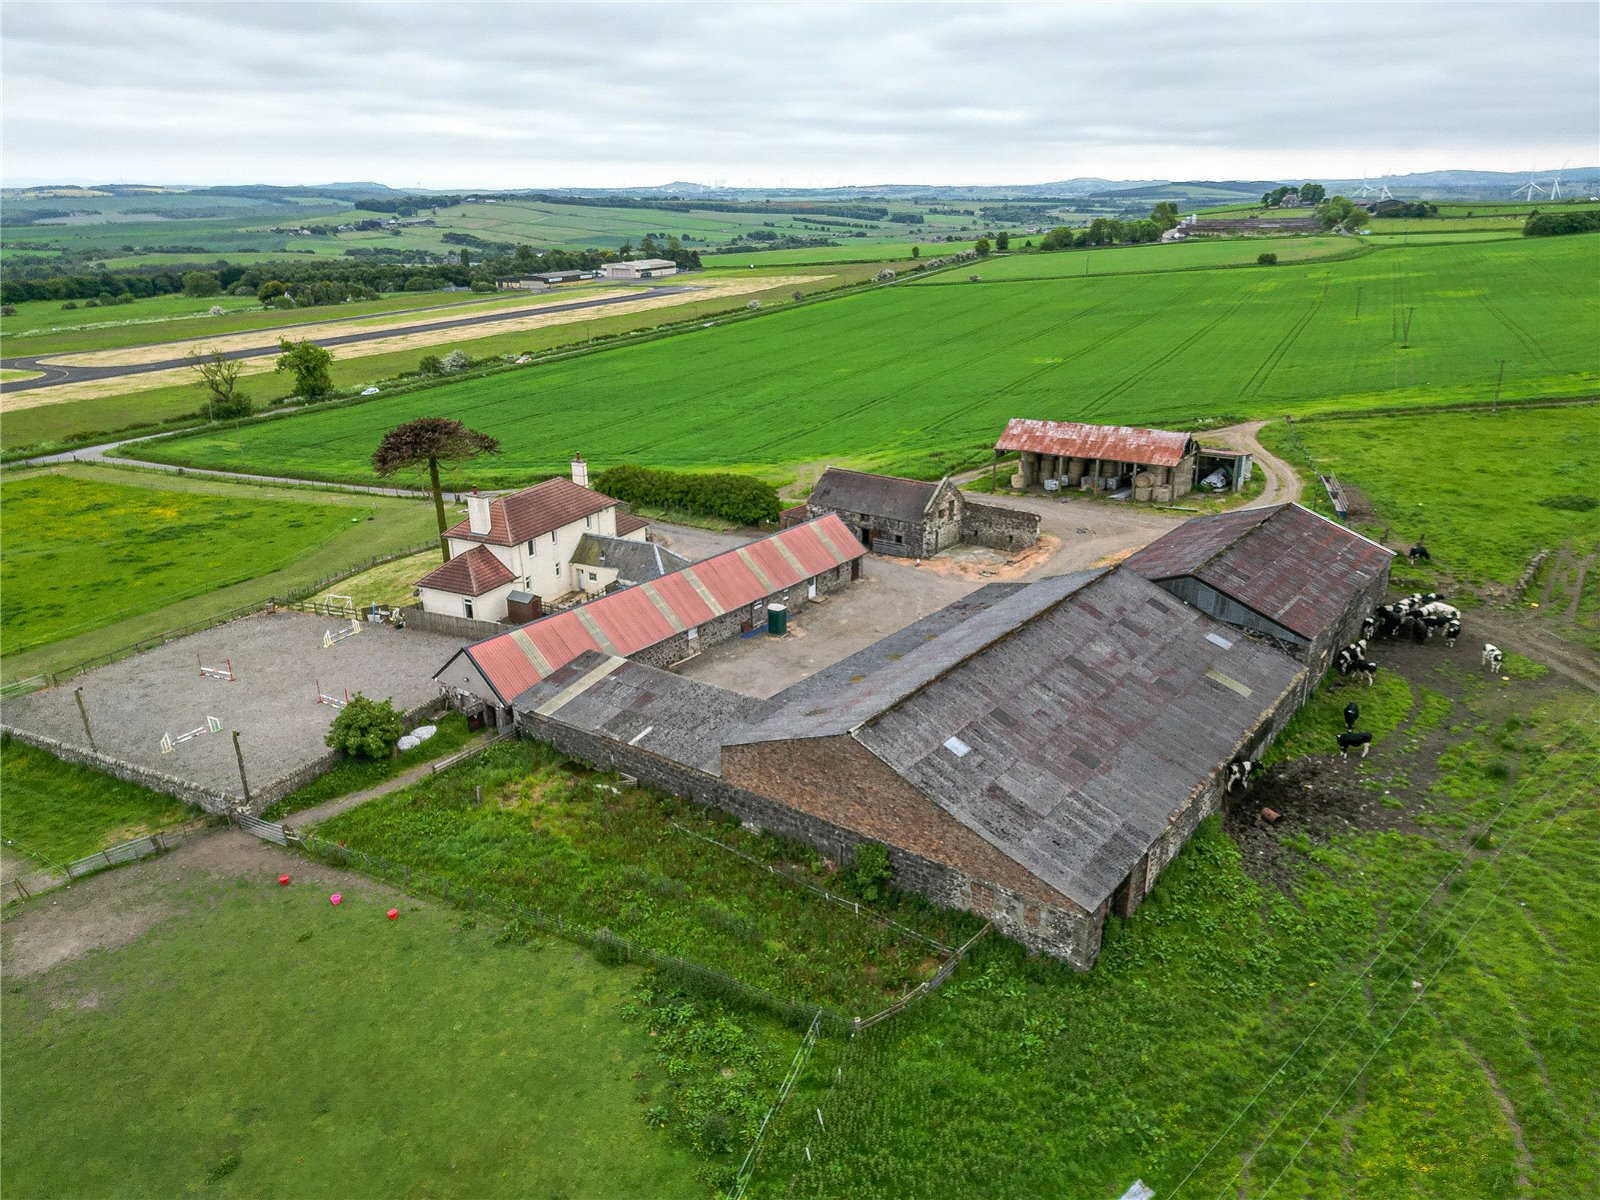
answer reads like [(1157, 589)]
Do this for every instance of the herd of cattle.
[(1417, 617)]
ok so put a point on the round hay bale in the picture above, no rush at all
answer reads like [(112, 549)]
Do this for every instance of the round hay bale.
[(1141, 491), (1144, 479)]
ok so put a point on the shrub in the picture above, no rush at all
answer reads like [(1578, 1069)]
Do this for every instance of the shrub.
[(69, 306), (737, 498), (216, 310), (871, 871), (1571, 503), (430, 365), (753, 305), (456, 360), (1268, 259), (366, 728), (10, 310)]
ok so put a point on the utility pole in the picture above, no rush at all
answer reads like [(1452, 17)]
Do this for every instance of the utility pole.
[(1498, 381), (77, 694), (239, 754)]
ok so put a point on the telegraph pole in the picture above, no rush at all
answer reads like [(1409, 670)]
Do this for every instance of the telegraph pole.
[(77, 694), (239, 754)]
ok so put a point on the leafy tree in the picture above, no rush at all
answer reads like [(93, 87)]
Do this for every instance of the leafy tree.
[(1002, 240), (983, 247), (871, 872), (200, 283), (456, 360), (220, 375), (431, 440), (1339, 212), (1165, 214), (464, 256), (270, 290), (916, 252), (430, 365), (365, 728), (311, 365), (1312, 193), (1268, 259)]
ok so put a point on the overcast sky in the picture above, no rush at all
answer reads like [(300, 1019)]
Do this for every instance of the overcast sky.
[(549, 95)]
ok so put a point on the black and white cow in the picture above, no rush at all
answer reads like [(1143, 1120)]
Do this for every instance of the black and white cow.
[(1493, 657), (1419, 552), (1352, 713), (1240, 771), (1369, 627), (1368, 668), (1438, 608), (1452, 631), (1349, 741)]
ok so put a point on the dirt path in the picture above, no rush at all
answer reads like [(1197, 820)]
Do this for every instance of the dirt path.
[(332, 808), (1283, 481)]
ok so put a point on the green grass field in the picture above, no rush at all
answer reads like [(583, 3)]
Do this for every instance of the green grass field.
[(56, 813), (1230, 1018), (260, 1042), (1180, 256), (614, 859), (97, 558), (357, 774), (1457, 479), (851, 250), (920, 379)]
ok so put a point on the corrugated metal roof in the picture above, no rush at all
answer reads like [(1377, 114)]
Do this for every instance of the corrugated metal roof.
[(876, 495), (535, 511), (1287, 563), (625, 622), (1094, 706), (1109, 443), (470, 574), (641, 706)]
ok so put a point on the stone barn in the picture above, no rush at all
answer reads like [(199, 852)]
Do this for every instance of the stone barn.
[(1036, 754), (1149, 464), (1284, 572), (665, 620), (913, 518)]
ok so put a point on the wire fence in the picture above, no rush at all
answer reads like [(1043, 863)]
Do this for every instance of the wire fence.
[(133, 850), (841, 901), (802, 1056), (292, 599), (608, 946)]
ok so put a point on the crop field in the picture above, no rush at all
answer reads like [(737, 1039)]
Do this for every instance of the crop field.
[(921, 379), (624, 861), (852, 250), (1179, 256), (95, 559), (257, 1041), (56, 812), (1389, 1000)]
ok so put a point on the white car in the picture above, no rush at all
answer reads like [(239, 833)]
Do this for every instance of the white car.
[(371, 391)]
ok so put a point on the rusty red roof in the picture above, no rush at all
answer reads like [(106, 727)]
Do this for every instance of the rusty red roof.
[(626, 622), (532, 512), (1109, 443), (628, 523), (1285, 562), (470, 574)]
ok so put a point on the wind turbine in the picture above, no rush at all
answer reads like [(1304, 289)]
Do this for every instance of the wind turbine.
[(1383, 189), (1366, 188), (1530, 188), (1555, 184)]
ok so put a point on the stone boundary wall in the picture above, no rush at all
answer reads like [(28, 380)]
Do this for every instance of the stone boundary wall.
[(997, 526), (224, 803), (1063, 935), (466, 628)]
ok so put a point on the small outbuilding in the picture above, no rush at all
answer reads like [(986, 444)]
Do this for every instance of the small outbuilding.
[(1149, 464), (520, 283), (913, 518)]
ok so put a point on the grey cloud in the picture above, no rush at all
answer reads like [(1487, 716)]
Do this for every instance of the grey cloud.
[(553, 94)]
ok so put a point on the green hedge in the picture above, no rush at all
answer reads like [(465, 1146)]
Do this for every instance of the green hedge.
[(736, 498)]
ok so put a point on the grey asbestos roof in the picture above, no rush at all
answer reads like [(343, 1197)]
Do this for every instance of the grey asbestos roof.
[(1065, 724), (634, 561), (642, 706), (876, 495)]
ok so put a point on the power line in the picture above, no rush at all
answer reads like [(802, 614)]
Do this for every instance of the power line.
[(1356, 979)]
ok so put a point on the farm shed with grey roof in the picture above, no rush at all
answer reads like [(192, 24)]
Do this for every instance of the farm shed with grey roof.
[(1034, 753), (622, 561), (1284, 571)]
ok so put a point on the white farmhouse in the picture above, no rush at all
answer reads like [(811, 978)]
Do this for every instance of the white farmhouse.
[(518, 550)]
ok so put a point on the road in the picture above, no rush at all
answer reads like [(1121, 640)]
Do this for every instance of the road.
[(55, 374)]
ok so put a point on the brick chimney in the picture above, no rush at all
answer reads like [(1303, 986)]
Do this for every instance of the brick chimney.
[(580, 471), (478, 514)]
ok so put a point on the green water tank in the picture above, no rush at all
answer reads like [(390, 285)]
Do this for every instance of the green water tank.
[(777, 619)]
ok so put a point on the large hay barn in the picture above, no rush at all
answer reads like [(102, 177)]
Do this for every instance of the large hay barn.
[(1149, 464)]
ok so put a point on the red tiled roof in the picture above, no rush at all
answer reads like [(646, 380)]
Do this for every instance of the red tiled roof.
[(625, 622), (628, 523), (1287, 563), (1109, 443), (534, 511), (470, 574)]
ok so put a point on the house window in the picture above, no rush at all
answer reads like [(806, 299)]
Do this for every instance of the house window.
[(593, 578), (588, 522), (899, 540), (532, 548), (558, 570), (466, 606), (552, 537)]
